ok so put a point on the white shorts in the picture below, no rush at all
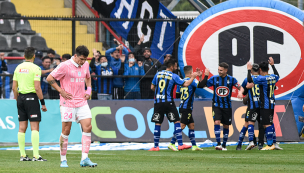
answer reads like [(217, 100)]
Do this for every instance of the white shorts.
[(75, 114)]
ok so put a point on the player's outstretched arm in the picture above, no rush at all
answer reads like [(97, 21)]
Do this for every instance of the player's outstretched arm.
[(52, 82), (188, 82), (271, 62), (203, 82)]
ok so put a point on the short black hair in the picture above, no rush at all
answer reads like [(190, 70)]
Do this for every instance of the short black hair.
[(223, 64), (255, 67), (50, 51), (29, 53), (264, 66), (66, 56), (132, 54), (188, 69), (82, 50), (46, 57), (170, 63), (99, 58)]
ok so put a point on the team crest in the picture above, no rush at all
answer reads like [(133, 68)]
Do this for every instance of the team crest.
[(79, 73)]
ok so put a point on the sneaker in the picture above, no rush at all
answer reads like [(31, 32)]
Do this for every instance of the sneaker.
[(250, 146), (260, 146), (196, 148), (184, 147), (239, 147), (276, 147), (218, 147), (64, 164), (224, 149), (268, 147), (172, 147), (154, 149), (39, 159), (25, 159), (87, 162)]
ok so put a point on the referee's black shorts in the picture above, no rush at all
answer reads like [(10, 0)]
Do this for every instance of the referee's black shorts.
[(28, 107)]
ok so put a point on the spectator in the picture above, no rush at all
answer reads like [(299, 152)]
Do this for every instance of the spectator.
[(166, 58), (52, 92), (56, 61), (45, 71), (38, 57), (66, 57), (151, 66), (3, 68), (133, 69), (51, 53), (103, 85), (116, 62)]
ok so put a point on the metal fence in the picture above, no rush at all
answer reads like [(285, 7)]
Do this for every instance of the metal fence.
[(64, 34)]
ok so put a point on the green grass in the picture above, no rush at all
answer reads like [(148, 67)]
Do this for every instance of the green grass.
[(288, 160)]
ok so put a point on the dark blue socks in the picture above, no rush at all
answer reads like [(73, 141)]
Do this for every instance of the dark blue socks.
[(242, 135), (156, 135)]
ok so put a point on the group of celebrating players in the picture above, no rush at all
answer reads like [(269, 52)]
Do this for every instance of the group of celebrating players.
[(74, 77), (258, 89)]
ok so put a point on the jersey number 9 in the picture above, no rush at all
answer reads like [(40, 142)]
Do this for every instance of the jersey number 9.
[(162, 85)]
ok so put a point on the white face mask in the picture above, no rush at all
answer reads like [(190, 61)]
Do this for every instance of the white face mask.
[(104, 64), (132, 60)]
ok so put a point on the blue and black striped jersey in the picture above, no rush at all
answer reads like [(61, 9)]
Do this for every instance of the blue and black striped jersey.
[(253, 95), (222, 88), (165, 82), (187, 94), (267, 86)]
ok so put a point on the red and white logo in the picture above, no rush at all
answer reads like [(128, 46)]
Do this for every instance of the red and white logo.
[(222, 91), (34, 116), (24, 70), (254, 34)]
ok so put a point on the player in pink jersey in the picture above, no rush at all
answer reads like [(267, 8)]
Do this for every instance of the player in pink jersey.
[(73, 75)]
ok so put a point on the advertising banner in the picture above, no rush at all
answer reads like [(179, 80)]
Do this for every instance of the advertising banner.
[(130, 121)]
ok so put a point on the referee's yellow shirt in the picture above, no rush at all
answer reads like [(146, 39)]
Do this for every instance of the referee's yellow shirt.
[(25, 74)]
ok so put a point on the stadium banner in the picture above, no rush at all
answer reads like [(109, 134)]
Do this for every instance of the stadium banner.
[(130, 121), (159, 36), (49, 128), (238, 31)]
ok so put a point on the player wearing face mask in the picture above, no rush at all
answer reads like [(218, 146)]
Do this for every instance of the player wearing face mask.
[(102, 85), (132, 68)]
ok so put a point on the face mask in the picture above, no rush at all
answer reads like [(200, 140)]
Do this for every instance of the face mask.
[(131, 60), (104, 64)]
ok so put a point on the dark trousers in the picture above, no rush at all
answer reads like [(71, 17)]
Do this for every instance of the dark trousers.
[(118, 93), (145, 89)]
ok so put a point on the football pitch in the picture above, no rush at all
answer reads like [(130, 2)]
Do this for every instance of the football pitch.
[(288, 160)]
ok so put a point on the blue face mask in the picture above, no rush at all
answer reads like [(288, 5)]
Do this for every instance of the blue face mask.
[(104, 64), (132, 60)]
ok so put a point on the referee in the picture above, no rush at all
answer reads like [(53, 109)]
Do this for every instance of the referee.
[(27, 90)]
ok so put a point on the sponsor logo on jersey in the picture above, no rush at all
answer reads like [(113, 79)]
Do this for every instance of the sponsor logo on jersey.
[(222, 91), (24, 70)]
